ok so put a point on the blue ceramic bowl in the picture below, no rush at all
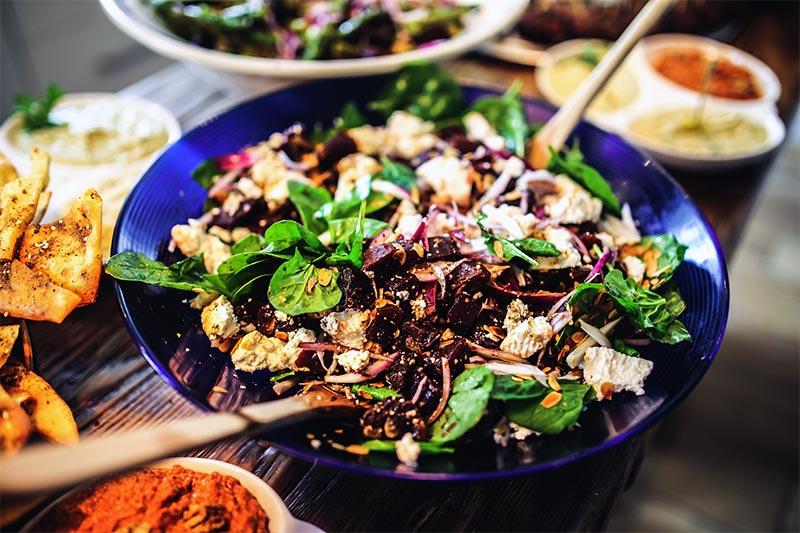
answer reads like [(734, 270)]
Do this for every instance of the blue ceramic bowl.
[(166, 195)]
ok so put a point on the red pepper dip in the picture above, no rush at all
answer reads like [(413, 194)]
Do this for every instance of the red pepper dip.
[(160, 500), (687, 67)]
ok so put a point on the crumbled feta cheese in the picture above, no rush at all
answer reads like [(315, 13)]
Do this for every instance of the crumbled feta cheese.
[(622, 372), (255, 352), (369, 139), (517, 312), (237, 234), (249, 189), (272, 176), (281, 316), (202, 299), (561, 239), (353, 360), (407, 450), (634, 267), (508, 221), (572, 204), (519, 432), (606, 240), (528, 336), (409, 135), (352, 168), (418, 306), (408, 219), (221, 233), (449, 178), (479, 129), (232, 203), (219, 320), (514, 166), (347, 327), (619, 231), (191, 240), (441, 224), (292, 350)]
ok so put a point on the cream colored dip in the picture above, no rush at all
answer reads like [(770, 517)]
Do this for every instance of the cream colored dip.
[(95, 132), (716, 133), (567, 74)]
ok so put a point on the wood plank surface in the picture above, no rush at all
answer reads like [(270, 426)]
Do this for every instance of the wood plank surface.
[(91, 360)]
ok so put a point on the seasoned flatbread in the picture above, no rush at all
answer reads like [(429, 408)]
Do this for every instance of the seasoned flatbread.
[(69, 251), (7, 171), (15, 426), (8, 336), (30, 295), (19, 200)]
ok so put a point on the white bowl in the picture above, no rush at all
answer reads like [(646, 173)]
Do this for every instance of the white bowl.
[(280, 520), (112, 180), (139, 22)]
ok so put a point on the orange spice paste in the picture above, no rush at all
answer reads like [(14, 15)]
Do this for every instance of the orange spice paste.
[(160, 500), (687, 67)]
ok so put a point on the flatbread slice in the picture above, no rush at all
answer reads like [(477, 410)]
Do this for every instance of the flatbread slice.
[(18, 202), (69, 251), (8, 336), (30, 295)]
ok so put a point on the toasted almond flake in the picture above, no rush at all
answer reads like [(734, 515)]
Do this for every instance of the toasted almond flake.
[(310, 285), (551, 400), (498, 248), (381, 302), (282, 335), (399, 253), (419, 249), (325, 275), (553, 382), (221, 390), (607, 390), (357, 449)]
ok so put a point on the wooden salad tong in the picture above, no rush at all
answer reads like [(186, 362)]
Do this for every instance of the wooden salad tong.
[(49, 467), (555, 132)]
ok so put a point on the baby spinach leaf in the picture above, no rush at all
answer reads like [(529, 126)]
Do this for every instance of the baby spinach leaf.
[(501, 247), (299, 287), (507, 116), (563, 415), (349, 117), (585, 294), (376, 393), (466, 406), (206, 172), (286, 234), (349, 205), (507, 388), (186, 275), (670, 254), (397, 173), (252, 243), (536, 247), (389, 446), (307, 200), (622, 347), (423, 89), (571, 164), (341, 229), (350, 249), (36, 113)]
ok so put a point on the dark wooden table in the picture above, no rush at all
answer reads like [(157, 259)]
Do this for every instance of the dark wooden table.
[(91, 360)]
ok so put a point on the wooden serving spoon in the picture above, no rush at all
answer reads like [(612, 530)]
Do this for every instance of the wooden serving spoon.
[(557, 129), (49, 467)]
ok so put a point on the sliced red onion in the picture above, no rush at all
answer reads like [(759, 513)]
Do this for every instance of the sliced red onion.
[(595, 333), (529, 176), (291, 164), (477, 359), (391, 189), (380, 365), (350, 377), (419, 390), (283, 386), (322, 346), (372, 371), (560, 320), (527, 296), (237, 161), (497, 188), (598, 267), (430, 297), (575, 357), (637, 342), (518, 369), (421, 230), (556, 306), (226, 180), (494, 354), (458, 235), (445, 391)]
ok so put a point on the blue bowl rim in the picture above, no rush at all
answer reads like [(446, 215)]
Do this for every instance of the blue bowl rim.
[(359, 468)]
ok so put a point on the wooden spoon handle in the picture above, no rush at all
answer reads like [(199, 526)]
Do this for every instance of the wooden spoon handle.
[(48, 467), (558, 128)]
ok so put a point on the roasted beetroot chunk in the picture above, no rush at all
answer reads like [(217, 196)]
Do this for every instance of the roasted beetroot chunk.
[(384, 328), (335, 150), (440, 248), (387, 258), (420, 337), (467, 275), (357, 291), (393, 418), (464, 309)]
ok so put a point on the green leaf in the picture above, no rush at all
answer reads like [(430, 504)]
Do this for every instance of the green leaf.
[(507, 388), (349, 117), (555, 419), (252, 243), (341, 229), (466, 406), (423, 89), (350, 250), (206, 173), (571, 164), (669, 254), (509, 248), (283, 375), (507, 116), (585, 295), (349, 206), (307, 200), (397, 173), (438, 16), (536, 247), (622, 347), (286, 234), (291, 291), (36, 113), (389, 446), (376, 393), (187, 275)]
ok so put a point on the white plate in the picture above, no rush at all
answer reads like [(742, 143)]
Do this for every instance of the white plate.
[(111, 180), (280, 520), (137, 20), (655, 92)]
